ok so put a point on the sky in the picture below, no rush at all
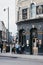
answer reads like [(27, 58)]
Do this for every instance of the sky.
[(4, 4)]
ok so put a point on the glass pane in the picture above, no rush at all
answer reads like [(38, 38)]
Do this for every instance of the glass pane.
[(24, 13), (33, 10)]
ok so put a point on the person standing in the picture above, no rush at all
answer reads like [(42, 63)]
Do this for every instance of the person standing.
[(17, 47), (1, 47)]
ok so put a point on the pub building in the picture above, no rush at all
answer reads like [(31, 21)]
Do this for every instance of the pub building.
[(30, 25)]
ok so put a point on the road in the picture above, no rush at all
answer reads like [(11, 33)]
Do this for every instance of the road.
[(19, 61)]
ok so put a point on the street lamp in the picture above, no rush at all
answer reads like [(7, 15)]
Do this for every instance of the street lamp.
[(8, 21)]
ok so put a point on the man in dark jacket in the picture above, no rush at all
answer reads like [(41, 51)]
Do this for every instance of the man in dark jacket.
[(1, 47)]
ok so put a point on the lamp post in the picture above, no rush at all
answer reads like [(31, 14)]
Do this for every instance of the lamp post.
[(8, 27), (8, 21)]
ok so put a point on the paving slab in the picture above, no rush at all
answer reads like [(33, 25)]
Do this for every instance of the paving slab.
[(39, 57)]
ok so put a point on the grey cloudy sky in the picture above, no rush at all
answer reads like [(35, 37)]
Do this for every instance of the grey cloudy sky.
[(3, 15)]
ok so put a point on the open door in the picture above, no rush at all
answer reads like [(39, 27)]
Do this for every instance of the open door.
[(35, 46), (33, 39)]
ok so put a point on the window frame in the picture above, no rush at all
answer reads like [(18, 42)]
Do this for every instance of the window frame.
[(33, 10), (24, 14)]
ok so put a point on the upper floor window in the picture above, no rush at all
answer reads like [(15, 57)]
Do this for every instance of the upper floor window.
[(24, 13), (18, 15), (33, 10), (39, 9)]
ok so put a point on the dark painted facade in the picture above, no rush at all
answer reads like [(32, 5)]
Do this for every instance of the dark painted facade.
[(24, 33)]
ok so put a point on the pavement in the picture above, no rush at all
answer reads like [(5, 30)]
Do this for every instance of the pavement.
[(19, 61), (38, 57)]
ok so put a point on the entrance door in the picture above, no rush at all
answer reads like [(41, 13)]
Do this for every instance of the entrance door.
[(34, 46), (34, 42), (22, 37), (33, 36)]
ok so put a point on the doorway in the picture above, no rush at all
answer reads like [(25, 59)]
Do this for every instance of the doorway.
[(22, 37), (33, 39)]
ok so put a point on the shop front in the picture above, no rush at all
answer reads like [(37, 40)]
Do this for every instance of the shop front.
[(31, 35)]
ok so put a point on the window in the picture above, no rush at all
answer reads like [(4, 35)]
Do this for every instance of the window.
[(39, 9), (18, 16), (33, 10), (24, 13)]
